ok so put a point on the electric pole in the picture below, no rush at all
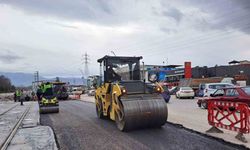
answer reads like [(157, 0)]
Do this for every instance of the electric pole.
[(86, 63), (37, 76), (36, 81)]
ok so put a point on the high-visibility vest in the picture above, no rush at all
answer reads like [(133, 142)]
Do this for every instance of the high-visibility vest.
[(42, 87), (18, 93), (46, 86)]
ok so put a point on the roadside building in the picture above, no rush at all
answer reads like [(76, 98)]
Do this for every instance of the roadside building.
[(235, 69), (171, 75)]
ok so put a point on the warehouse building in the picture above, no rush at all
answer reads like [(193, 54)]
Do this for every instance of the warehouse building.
[(233, 69)]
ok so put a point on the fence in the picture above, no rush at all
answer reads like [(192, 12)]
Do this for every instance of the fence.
[(230, 116), (75, 96)]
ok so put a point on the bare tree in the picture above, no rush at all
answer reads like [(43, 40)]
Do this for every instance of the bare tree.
[(5, 84)]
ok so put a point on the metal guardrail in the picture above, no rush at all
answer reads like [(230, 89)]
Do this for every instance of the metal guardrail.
[(6, 143)]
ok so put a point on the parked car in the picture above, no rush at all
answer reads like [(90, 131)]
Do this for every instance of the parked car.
[(91, 93), (185, 92), (210, 88), (234, 94)]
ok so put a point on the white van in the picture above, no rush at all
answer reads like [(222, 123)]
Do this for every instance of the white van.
[(210, 88)]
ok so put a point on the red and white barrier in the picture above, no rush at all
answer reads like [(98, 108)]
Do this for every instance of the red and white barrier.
[(75, 96), (230, 116)]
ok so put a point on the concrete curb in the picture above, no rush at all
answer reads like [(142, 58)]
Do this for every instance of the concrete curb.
[(238, 146), (85, 101)]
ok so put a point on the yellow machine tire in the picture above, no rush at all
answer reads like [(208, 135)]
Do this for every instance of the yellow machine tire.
[(119, 117), (120, 123), (99, 110)]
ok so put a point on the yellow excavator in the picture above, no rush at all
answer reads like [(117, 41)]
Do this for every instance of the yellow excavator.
[(126, 98)]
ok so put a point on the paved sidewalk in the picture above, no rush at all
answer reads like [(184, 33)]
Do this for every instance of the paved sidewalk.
[(36, 138), (9, 120), (6, 105), (32, 119), (30, 134), (187, 113)]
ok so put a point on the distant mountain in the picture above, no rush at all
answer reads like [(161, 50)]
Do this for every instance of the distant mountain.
[(26, 79), (19, 79)]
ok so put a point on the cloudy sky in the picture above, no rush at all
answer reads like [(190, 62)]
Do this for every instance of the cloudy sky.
[(52, 35)]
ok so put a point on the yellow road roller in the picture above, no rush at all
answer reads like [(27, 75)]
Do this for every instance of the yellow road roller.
[(127, 98), (48, 102)]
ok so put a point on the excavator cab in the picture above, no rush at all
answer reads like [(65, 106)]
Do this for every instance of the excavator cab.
[(126, 98)]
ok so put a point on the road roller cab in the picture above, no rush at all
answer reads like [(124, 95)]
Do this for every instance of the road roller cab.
[(126, 98)]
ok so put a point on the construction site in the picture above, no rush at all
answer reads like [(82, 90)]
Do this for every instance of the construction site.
[(127, 99), (124, 75)]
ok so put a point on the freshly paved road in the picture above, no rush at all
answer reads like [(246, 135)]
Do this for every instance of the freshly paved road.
[(77, 127)]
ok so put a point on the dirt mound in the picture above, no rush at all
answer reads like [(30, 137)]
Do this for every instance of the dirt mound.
[(6, 97)]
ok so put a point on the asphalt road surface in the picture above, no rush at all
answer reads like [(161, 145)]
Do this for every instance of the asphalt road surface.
[(77, 127)]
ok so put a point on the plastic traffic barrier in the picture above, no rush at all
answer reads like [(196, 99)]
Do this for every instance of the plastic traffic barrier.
[(230, 116), (75, 96)]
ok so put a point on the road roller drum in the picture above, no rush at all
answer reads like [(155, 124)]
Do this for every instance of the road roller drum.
[(49, 109), (142, 113)]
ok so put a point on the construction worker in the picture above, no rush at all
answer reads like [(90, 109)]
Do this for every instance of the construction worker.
[(18, 95), (21, 97), (15, 97), (33, 96), (47, 89), (39, 93)]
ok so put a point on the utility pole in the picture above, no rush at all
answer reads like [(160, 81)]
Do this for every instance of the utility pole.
[(36, 76), (36, 81), (83, 79), (101, 71), (86, 63)]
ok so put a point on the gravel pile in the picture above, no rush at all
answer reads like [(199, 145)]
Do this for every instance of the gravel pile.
[(7, 97)]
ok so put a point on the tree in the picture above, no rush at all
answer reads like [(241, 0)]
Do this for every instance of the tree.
[(5, 84)]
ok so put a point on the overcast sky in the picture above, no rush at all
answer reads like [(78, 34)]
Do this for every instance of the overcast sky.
[(52, 35)]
